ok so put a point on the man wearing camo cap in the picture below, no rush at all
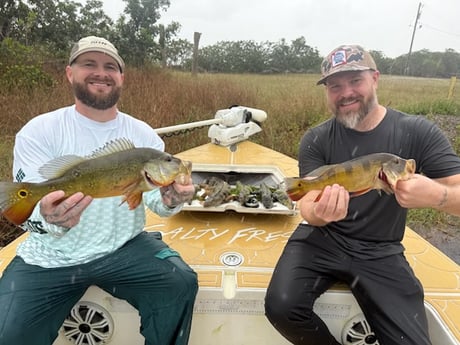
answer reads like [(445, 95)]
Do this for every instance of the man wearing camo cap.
[(358, 240)]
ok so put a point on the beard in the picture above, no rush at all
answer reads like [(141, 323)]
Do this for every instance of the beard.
[(96, 101), (351, 119)]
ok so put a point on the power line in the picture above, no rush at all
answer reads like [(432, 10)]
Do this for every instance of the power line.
[(439, 30)]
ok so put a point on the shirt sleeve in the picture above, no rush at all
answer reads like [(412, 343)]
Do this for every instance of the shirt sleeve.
[(154, 202), (436, 156)]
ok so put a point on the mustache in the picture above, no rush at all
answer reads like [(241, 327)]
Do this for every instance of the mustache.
[(105, 80), (348, 100)]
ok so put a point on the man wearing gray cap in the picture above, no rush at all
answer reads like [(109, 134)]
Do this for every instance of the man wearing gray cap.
[(74, 241), (358, 240)]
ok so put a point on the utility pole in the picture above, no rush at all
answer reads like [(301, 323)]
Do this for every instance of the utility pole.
[(196, 42), (417, 17)]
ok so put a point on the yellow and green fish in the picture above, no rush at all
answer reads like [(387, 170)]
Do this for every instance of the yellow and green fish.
[(118, 168), (358, 176)]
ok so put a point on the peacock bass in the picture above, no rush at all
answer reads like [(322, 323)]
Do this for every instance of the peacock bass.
[(378, 171), (118, 168)]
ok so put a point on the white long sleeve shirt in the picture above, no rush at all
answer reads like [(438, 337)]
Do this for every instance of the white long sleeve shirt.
[(105, 225)]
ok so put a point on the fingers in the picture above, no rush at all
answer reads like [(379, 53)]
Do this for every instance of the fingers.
[(65, 212), (333, 205), (177, 193)]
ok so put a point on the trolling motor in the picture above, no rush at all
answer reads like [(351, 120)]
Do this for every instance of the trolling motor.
[(236, 123), (229, 126)]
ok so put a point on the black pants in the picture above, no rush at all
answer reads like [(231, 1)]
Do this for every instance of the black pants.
[(389, 294)]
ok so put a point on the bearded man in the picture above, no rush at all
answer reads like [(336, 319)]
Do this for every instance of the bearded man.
[(358, 240), (75, 241)]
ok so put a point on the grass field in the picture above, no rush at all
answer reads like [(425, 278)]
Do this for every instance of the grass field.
[(161, 98)]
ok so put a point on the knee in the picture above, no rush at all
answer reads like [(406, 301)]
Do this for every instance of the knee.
[(187, 284), (276, 309), (283, 311), (191, 283)]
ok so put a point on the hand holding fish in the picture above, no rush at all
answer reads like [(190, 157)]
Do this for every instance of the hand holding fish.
[(181, 191), (331, 206), (420, 191), (63, 212)]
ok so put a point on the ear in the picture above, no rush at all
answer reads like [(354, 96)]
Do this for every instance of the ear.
[(68, 73), (376, 76)]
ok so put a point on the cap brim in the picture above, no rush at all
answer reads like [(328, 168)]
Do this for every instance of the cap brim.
[(346, 68), (117, 58)]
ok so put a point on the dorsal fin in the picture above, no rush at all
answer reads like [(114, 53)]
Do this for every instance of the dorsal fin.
[(112, 146), (58, 166), (319, 171)]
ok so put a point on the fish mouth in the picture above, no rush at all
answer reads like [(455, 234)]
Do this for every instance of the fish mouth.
[(151, 181), (392, 178)]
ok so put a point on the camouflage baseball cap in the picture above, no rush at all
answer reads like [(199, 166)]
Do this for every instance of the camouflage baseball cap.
[(95, 44), (346, 58)]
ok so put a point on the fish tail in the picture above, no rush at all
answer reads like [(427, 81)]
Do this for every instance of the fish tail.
[(17, 202), (294, 188)]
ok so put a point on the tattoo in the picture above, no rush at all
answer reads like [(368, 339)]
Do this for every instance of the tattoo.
[(444, 199)]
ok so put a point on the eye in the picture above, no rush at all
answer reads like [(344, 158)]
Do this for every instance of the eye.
[(333, 87), (22, 193), (355, 81), (112, 67)]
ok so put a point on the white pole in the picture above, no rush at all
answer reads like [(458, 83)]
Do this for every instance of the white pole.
[(169, 129)]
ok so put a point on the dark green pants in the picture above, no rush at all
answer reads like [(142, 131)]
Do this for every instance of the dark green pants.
[(34, 301)]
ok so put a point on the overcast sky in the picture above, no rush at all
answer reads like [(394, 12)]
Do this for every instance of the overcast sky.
[(384, 25)]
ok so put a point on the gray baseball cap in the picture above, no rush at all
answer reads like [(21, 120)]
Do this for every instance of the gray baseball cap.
[(95, 44)]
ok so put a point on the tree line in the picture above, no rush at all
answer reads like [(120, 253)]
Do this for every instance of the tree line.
[(34, 32)]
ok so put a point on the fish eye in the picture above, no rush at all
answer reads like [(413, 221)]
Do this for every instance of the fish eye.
[(22, 193)]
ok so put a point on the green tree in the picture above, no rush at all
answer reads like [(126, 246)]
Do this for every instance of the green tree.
[(13, 14), (450, 61), (93, 20), (383, 63), (138, 31), (253, 57)]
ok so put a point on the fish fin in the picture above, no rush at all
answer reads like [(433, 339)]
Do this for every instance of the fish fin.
[(58, 166), (113, 146), (318, 197), (133, 200), (359, 192), (388, 189), (319, 171), (16, 201)]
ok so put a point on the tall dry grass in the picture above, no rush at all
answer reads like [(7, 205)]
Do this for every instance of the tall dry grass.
[(164, 98)]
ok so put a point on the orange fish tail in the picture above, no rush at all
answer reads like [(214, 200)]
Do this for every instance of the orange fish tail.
[(16, 201)]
